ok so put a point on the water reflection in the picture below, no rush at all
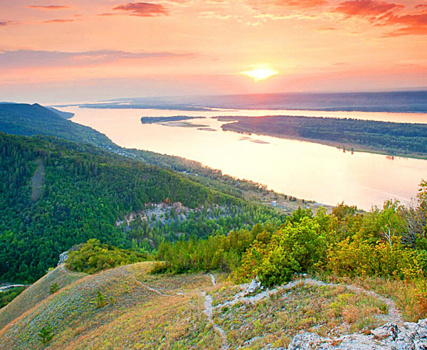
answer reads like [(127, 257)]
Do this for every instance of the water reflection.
[(301, 169)]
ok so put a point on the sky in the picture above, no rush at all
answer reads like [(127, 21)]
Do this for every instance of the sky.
[(81, 50)]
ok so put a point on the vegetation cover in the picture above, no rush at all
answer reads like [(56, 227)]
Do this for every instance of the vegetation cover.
[(29, 120), (8, 295), (94, 256), (389, 243), (404, 139), (55, 194)]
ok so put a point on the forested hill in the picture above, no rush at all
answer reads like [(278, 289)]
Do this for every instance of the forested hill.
[(401, 139), (55, 194), (25, 119), (29, 120)]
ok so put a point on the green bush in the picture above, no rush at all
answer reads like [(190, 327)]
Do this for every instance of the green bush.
[(94, 256)]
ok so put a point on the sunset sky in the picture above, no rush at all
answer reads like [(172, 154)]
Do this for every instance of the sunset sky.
[(79, 50)]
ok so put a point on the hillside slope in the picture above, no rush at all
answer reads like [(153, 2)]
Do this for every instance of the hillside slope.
[(62, 193), (142, 311), (29, 120)]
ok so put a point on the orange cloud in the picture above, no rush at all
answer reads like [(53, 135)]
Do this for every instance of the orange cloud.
[(367, 8), (59, 21), (300, 3), (381, 13), (413, 24), (271, 5), (143, 9), (49, 7)]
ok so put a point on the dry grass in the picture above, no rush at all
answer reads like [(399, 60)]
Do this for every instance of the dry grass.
[(144, 311), (407, 295), (277, 319), (37, 293), (152, 311)]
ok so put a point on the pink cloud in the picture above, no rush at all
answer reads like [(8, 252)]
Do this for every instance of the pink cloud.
[(367, 8), (59, 21), (381, 13), (300, 3), (266, 5), (412, 24), (48, 7), (143, 9)]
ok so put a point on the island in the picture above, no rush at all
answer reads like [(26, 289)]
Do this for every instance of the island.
[(158, 120), (394, 139)]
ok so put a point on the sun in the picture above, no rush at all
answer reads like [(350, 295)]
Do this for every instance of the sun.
[(261, 72)]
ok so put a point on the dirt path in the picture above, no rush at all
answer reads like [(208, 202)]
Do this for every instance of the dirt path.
[(213, 279), (151, 289), (209, 313)]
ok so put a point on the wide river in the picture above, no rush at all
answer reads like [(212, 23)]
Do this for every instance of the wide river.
[(305, 170)]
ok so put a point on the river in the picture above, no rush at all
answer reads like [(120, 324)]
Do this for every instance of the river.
[(301, 169)]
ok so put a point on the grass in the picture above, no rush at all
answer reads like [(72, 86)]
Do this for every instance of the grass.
[(135, 312), (37, 293), (407, 295), (278, 318), (144, 311)]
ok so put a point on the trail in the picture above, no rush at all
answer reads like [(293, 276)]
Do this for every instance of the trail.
[(394, 315), (209, 313), (393, 331), (151, 289), (213, 279)]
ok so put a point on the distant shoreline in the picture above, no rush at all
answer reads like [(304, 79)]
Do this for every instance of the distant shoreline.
[(387, 138)]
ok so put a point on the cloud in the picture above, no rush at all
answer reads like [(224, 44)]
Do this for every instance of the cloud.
[(412, 24), (367, 8), (33, 59), (381, 13), (301, 3), (59, 21), (48, 7), (143, 9), (263, 5)]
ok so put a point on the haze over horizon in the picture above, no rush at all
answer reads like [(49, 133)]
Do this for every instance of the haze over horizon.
[(74, 50)]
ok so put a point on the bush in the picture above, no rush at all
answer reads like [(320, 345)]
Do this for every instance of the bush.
[(94, 256)]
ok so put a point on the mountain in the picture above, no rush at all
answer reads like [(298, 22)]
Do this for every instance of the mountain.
[(66, 115), (29, 120)]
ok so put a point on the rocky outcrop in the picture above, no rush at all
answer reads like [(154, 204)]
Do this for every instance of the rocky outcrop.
[(410, 336), (63, 258)]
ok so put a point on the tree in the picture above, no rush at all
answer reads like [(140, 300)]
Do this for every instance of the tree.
[(45, 334), (100, 300)]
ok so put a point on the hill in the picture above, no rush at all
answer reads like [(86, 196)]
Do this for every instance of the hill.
[(402, 139), (61, 193), (127, 308), (28, 120)]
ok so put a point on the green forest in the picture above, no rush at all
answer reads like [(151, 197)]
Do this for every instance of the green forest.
[(55, 194), (403, 139)]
